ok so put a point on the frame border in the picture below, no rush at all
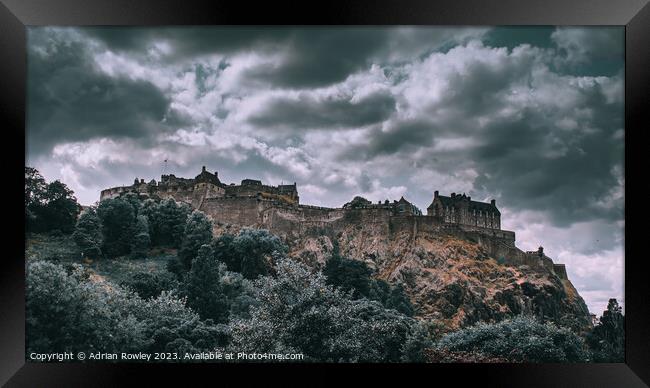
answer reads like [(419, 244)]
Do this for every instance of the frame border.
[(15, 15)]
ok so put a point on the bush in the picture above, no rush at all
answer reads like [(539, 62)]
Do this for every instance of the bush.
[(521, 339), (69, 312), (149, 284)]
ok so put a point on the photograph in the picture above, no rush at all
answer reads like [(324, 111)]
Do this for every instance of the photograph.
[(325, 194)]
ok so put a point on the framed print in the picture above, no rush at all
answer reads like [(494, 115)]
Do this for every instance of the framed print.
[(438, 188)]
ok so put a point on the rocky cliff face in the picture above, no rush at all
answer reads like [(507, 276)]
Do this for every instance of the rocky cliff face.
[(450, 279)]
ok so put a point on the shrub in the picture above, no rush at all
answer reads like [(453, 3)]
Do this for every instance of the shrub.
[(150, 284), (521, 339)]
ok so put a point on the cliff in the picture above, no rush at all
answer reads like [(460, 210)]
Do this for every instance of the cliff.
[(449, 277)]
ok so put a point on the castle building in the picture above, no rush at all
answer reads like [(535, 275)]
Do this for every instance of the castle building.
[(204, 186), (401, 207), (460, 209)]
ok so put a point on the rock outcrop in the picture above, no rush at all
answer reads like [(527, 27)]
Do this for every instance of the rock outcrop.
[(452, 280)]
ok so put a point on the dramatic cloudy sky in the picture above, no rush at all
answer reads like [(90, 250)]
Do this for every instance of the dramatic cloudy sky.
[(532, 117)]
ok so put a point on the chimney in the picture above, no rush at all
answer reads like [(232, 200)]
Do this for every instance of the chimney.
[(435, 194), (493, 202), (469, 198), (141, 180), (203, 169)]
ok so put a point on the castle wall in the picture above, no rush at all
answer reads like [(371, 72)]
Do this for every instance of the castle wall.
[(245, 211)]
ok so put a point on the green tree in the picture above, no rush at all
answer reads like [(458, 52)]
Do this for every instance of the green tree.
[(214, 292), (607, 338), (521, 339), (141, 241), (250, 253), (350, 275), (167, 221), (198, 232), (118, 222), (49, 207), (355, 276), (297, 311), (88, 235), (35, 187), (66, 311), (398, 300)]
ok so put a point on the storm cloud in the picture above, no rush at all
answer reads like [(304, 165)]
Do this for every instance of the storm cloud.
[(532, 117)]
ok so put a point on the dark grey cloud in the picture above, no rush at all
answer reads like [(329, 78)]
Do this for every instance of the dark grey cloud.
[(69, 100), (314, 56), (399, 136), (307, 111), (519, 160)]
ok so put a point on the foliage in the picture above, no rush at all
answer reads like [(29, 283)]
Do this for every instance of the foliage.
[(521, 339), (250, 252), (299, 312), (214, 292), (150, 284), (48, 207), (443, 355), (69, 312), (141, 240), (416, 345), (198, 232), (398, 300), (167, 221), (350, 275), (87, 234), (355, 276), (118, 220), (607, 338)]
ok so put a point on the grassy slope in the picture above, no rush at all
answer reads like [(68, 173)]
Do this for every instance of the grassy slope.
[(63, 250)]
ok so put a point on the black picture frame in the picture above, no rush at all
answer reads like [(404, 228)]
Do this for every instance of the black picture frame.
[(15, 15)]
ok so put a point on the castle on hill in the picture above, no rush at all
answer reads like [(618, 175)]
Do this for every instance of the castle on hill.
[(278, 209), (456, 209)]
